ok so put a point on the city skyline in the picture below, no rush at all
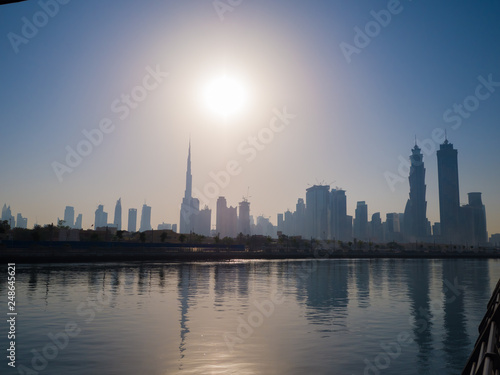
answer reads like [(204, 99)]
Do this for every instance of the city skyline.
[(354, 120), (324, 215)]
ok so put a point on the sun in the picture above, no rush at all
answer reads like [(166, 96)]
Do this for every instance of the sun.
[(225, 95)]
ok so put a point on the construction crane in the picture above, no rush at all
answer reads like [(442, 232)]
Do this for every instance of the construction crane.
[(245, 198)]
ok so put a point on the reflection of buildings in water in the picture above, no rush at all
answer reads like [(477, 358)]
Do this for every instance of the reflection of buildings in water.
[(456, 341), (115, 280), (418, 277), (478, 280), (183, 286), (191, 280), (33, 278), (93, 278), (324, 291), (377, 273), (362, 274), (161, 279), (32, 282), (243, 271), (143, 280), (224, 278), (47, 285)]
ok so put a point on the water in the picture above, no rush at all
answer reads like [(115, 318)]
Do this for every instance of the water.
[(249, 317)]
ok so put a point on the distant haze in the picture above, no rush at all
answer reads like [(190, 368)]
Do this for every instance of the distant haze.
[(129, 74)]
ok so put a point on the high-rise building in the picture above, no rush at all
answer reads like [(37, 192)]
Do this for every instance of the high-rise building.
[(132, 219), (203, 222), (226, 219), (118, 215), (300, 218), (145, 218), (232, 221), (392, 227), (21, 222), (189, 207), (436, 230), (164, 226), (449, 197), (340, 225), (317, 202), (281, 222), (361, 221), (376, 228), (264, 227), (288, 223), (101, 218), (220, 217), (7, 216), (476, 225), (244, 217), (69, 216), (78, 221), (416, 207)]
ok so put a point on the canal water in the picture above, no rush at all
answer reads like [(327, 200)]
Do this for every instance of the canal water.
[(379, 316)]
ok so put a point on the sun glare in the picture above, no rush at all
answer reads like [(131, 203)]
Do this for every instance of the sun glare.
[(225, 95)]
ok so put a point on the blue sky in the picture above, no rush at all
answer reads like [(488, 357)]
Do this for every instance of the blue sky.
[(353, 120)]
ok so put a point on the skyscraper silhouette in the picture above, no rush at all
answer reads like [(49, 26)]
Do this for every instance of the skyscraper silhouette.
[(21, 222), (132, 219), (300, 218), (221, 218), (480, 234), (415, 224), (361, 221), (340, 224), (317, 200), (69, 216), (203, 222), (78, 221), (145, 218), (244, 217), (449, 198), (101, 217), (190, 206), (118, 214), (7, 216)]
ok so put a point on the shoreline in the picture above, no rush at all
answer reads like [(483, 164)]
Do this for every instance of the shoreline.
[(170, 254)]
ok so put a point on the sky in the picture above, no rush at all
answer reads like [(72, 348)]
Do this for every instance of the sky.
[(355, 82)]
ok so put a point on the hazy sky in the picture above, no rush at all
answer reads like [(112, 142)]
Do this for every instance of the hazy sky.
[(354, 119)]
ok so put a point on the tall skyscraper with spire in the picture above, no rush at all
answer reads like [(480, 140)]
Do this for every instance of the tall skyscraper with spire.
[(118, 214), (449, 198), (190, 206), (415, 223)]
